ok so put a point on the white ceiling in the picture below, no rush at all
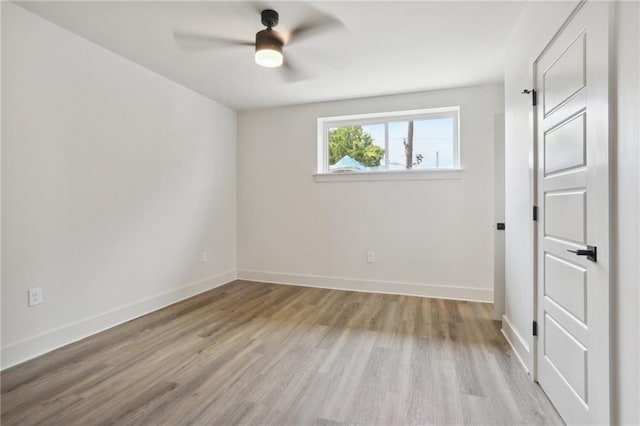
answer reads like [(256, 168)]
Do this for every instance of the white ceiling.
[(384, 47)]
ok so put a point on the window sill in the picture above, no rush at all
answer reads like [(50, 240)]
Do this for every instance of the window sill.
[(441, 174)]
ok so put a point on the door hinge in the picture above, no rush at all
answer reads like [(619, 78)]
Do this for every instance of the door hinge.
[(534, 95), (535, 328), (535, 213)]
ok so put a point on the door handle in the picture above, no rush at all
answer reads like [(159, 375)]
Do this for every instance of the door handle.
[(591, 252)]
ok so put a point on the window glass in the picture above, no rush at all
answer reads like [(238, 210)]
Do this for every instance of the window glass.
[(419, 140), (432, 143)]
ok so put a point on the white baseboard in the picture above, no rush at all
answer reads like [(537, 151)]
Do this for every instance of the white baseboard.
[(371, 286), (518, 344), (46, 342)]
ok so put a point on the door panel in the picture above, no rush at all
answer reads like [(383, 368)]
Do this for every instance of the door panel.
[(567, 355), (565, 284), (566, 215), (566, 76), (576, 328), (564, 146), (573, 197)]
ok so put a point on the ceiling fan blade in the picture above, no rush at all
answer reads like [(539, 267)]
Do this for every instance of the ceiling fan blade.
[(318, 22), (316, 57), (193, 42), (290, 73)]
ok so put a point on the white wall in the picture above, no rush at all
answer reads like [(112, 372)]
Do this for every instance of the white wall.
[(1, 29), (626, 88), (430, 237), (536, 26), (499, 236), (114, 180)]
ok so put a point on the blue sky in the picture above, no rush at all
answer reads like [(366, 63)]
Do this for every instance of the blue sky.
[(429, 137)]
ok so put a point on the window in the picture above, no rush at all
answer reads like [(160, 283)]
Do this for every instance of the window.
[(398, 141)]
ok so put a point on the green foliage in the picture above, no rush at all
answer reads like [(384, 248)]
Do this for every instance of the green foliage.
[(356, 143)]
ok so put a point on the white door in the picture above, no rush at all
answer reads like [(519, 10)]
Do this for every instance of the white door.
[(572, 163)]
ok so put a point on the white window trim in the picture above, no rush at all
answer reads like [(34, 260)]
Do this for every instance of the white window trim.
[(424, 174), (325, 123)]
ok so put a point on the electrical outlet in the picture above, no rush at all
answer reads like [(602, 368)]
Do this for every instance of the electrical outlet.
[(205, 257), (35, 296), (371, 257)]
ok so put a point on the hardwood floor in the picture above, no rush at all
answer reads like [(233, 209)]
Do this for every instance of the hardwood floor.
[(249, 353)]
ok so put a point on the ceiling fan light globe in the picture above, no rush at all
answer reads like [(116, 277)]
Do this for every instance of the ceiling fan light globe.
[(270, 58)]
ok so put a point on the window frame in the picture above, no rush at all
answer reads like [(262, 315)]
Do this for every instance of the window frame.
[(326, 123)]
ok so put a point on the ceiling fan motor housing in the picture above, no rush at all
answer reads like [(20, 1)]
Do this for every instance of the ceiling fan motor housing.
[(268, 39)]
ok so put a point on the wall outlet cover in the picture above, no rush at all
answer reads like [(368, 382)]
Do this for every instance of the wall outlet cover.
[(35, 296)]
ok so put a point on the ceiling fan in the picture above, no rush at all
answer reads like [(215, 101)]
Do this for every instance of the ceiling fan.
[(269, 43)]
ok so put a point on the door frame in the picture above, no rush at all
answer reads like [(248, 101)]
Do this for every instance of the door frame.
[(639, 199), (534, 196)]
